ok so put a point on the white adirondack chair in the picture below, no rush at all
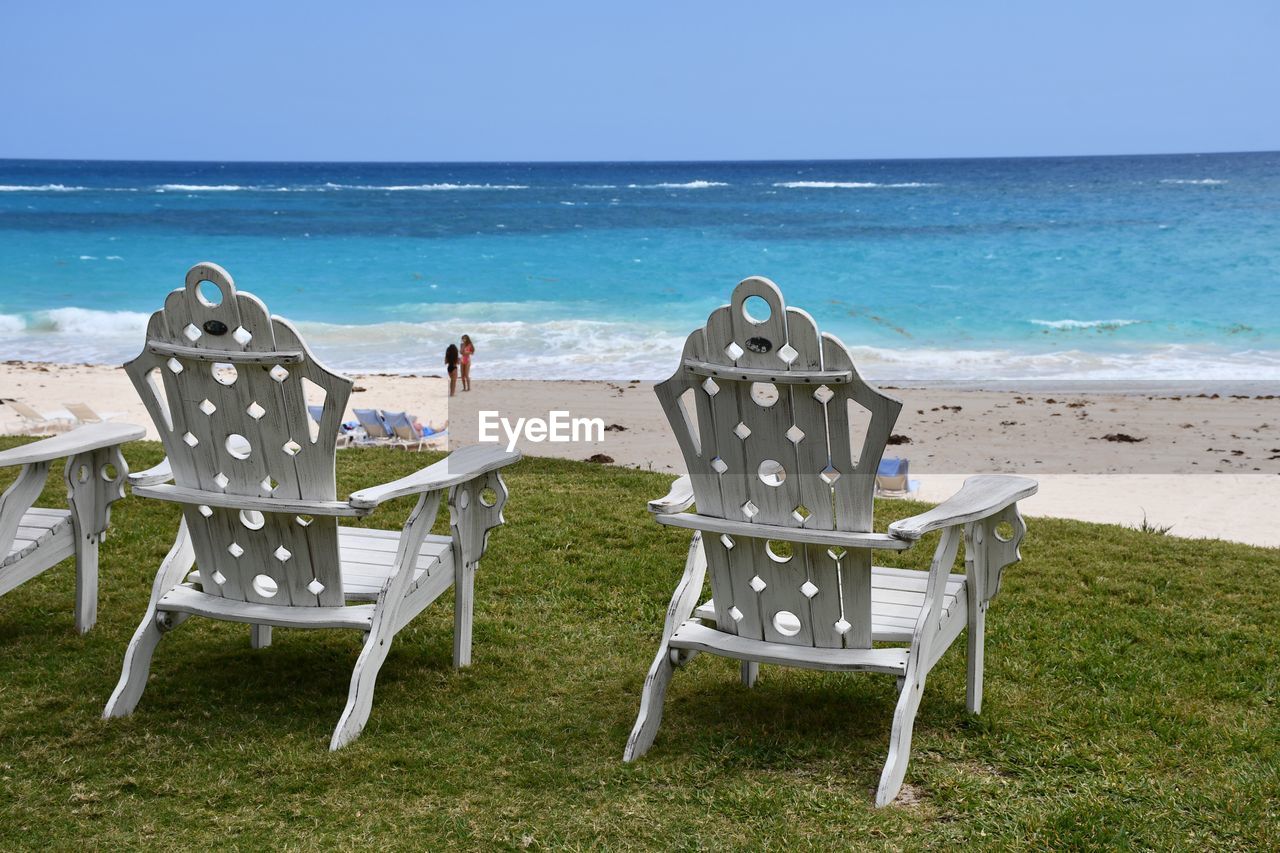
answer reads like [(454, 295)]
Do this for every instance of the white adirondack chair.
[(33, 539), (226, 386), (782, 438)]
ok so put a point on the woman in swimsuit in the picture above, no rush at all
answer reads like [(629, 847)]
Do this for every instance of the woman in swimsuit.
[(451, 364), (468, 349)]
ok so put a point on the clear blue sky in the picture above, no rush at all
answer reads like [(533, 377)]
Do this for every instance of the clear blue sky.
[(560, 80)]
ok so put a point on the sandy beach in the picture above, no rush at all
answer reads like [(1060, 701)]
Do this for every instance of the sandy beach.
[(1209, 465)]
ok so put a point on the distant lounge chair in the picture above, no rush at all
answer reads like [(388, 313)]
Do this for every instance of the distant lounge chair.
[(85, 415), (376, 430), (407, 435), (32, 422), (892, 479)]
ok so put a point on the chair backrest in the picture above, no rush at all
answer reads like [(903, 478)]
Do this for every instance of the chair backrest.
[(26, 412), (401, 425), (371, 420), (83, 413), (777, 428), (227, 386)]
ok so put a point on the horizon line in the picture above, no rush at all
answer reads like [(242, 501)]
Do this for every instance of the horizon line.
[(606, 162)]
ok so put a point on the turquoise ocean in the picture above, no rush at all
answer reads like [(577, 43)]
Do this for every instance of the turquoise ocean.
[(1130, 268)]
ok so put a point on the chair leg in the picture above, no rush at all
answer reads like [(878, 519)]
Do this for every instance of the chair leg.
[(137, 663), (973, 685), (750, 672), (464, 592), (651, 699), (904, 718), (360, 696), (259, 636), (86, 584)]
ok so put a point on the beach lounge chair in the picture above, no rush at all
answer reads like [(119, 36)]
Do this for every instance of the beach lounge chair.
[(893, 479), (375, 428), (225, 382), (33, 539), (782, 473), (407, 435), (32, 422), (86, 415)]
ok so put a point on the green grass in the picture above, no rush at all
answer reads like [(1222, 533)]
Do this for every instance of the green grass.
[(1131, 700)]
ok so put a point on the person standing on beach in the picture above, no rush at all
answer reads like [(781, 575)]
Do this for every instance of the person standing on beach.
[(468, 349), (451, 364)]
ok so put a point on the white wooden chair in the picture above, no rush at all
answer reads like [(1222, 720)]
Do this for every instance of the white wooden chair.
[(31, 422), (226, 386), (33, 539), (782, 439)]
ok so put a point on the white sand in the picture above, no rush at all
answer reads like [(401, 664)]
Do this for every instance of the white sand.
[(1208, 467)]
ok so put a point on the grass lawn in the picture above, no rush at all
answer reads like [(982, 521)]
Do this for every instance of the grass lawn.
[(1131, 700)]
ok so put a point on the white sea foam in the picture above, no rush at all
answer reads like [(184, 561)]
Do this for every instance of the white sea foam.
[(1203, 182), (198, 188), (40, 188), (546, 345), (850, 185), (596, 186), (688, 185), (1085, 324), (425, 187)]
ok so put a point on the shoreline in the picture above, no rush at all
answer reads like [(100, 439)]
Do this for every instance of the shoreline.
[(1209, 465)]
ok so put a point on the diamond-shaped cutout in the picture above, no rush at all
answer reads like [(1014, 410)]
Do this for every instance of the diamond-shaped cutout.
[(795, 435), (218, 577), (268, 484), (283, 554), (719, 465), (242, 336), (808, 589), (207, 406), (709, 385), (727, 541), (191, 332), (758, 584), (842, 626), (255, 411), (829, 475), (292, 447), (742, 431), (733, 351), (222, 480), (190, 440), (788, 353), (235, 550), (302, 520), (836, 552), (801, 513), (204, 510), (735, 614), (822, 394), (750, 510), (315, 587), (174, 366), (278, 373)]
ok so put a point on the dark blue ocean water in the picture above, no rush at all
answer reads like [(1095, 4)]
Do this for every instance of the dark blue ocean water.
[(1102, 267)]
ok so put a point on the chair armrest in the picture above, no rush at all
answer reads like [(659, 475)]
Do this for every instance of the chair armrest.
[(80, 440), (458, 467), (979, 497), (678, 499), (153, 476)]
